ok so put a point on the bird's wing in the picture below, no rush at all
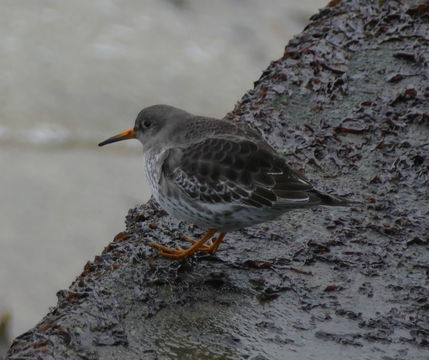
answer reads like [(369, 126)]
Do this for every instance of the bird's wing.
[(219, 170)]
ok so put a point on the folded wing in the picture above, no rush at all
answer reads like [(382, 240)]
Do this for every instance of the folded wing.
[(221, 170)]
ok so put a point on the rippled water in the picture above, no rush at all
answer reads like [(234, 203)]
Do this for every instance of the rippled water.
[(76, 72)]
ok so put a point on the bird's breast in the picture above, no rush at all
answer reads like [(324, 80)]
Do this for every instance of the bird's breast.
[(152, 170)]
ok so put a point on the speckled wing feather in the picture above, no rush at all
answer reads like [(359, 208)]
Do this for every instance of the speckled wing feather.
[(234, 169)]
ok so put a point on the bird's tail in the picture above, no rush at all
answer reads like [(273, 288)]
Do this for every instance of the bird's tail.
[(331, 200)]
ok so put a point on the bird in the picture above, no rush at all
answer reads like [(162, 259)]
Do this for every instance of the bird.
[(216, 174)]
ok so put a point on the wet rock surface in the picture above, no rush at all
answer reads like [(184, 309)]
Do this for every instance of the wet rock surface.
[(348, 104)]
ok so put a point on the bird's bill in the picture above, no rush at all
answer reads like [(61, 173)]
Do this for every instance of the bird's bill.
[(124, 135)]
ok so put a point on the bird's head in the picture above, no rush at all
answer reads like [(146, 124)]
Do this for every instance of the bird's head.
[(153, 125)]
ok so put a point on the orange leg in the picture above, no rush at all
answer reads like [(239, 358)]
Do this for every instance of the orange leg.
[(209, 246), (216, 244), (205, 247), (180, 253)]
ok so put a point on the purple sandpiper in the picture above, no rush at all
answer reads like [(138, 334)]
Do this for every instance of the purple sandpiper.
[(215, 174)]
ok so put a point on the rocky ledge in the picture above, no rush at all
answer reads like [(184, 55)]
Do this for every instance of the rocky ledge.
[(348, 105)]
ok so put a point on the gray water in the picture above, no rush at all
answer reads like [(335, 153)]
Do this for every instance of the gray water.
[(76, 72)]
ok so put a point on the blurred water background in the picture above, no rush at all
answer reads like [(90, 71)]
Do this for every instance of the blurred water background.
[(76, 72)]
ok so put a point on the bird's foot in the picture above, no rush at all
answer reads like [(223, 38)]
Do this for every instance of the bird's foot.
[(172, 253), (180, 253)]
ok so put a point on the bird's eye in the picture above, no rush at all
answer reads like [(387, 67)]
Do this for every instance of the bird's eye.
[(147, 123)]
